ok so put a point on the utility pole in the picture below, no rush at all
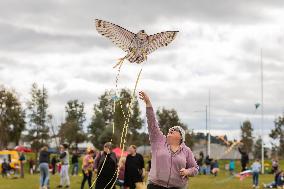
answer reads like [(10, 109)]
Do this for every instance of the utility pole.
[(262, 141), (207, 141), (209, 124)]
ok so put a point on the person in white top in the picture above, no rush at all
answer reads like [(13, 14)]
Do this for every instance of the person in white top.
[(255, 167)]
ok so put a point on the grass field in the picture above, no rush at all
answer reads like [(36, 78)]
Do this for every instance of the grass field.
[(222, 181), (199, 182)]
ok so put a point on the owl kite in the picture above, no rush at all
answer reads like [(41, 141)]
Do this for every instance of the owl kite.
[(137, 46)]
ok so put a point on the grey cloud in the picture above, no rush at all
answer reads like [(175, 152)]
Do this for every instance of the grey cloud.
[(148, 11), (82, 95), (15, 38), (72, 22)]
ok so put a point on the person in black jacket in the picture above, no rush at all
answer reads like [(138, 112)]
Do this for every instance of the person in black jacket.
[(208, 164), (200, 163), (134, 168), (75, 163), (43, 167), (106, 168), (244, 159)]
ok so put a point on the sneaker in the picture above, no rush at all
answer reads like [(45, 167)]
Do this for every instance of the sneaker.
[(67, 186), (59, 186)]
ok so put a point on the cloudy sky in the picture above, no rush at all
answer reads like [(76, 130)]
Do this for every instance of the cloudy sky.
[(54, 43)]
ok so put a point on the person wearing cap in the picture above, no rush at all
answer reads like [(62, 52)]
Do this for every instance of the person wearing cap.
[(172, 161), (106, 168)]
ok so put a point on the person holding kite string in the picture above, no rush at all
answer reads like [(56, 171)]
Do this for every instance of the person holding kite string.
[(172, 161)]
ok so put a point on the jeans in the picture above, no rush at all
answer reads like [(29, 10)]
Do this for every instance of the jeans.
[(255, 178), (208, 169), (202, 170), (75, 169), (44, 174), (64, 177)]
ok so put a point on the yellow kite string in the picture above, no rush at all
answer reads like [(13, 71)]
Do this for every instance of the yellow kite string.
[(126, 123), (98, 173), (114, 104)]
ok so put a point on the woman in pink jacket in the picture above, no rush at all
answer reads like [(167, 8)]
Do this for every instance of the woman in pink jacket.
[(172, 161)]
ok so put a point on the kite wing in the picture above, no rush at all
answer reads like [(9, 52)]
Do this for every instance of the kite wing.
[(160, 40), (118, 35)]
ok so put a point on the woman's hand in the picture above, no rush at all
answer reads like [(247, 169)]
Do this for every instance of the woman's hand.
[(143, 96), (183, 172)]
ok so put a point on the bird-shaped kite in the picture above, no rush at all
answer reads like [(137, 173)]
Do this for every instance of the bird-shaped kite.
[(137, 46)]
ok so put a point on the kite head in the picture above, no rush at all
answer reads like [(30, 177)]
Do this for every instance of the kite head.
[(142, 35)]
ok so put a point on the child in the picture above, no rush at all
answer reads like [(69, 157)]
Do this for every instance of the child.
[(255, 173), (232, 167), (120, 178), (273, 183), (280, 181), (5, 168), (31, 166)]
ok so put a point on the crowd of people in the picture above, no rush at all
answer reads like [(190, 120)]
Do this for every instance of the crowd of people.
[(171, 164), (103, 167), (208, 166)]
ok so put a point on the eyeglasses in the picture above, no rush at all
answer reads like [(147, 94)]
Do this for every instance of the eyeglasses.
[(174, 129)]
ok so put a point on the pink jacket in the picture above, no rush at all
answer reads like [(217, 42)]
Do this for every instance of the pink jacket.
[(166, 166)]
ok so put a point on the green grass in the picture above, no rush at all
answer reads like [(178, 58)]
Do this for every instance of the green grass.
[(222, 181), (199, 182)]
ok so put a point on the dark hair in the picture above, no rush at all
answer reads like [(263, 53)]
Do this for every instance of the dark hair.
[(64, 145)]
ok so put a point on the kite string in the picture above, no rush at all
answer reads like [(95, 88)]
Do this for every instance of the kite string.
[(126, 123), (98, 173), (113, 124)]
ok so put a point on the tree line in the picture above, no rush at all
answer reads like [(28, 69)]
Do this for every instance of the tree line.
[(108, 117), (35, 120)]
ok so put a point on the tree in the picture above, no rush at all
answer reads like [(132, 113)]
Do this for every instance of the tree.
[(168, 118), (12, 118), (38, 131), (278, 134), (189, 139), (246, 136), (257, 149), (107, 125), (71, 131)]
